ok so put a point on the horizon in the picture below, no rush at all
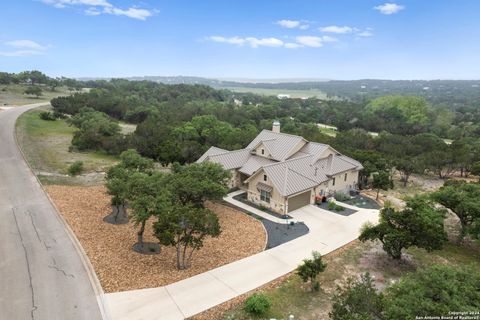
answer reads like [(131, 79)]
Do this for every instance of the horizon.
[(344, 40)]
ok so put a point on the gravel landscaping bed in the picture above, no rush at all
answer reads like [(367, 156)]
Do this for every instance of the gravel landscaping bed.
[(277, 233), (109, 247)]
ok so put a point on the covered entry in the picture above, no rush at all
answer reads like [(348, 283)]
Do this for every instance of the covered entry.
[(298, 201)]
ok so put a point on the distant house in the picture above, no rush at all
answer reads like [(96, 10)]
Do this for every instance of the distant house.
[(283, 96), (285, 172)]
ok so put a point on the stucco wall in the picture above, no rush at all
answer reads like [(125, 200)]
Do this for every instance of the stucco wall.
[(341, 185), (277, 201)]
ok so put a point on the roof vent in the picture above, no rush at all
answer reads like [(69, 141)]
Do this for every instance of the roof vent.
[(276, 126)]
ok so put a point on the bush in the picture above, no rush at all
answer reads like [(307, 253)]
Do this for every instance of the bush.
[(334, 207), (258, 304), (75, 168), (341, 196), (48, 116)]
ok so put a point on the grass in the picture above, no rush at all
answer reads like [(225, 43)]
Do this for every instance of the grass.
[(13, 95), (293, 296), (46, 144), (274, 92)]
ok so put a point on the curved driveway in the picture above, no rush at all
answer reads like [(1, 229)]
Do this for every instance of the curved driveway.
[(42, 275)]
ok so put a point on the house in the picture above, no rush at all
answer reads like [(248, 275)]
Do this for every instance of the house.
[(285, 172)]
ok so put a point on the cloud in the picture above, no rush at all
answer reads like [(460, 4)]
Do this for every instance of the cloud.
[(292, 45), (329, 39), (337, 29), (25, 44), (23, 48), (135, 13), (251, 41), (291, 24), (310, 41), (389, 8), (365, 33), (98, 7)]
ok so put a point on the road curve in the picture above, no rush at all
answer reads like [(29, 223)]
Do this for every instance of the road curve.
[(42, 275)]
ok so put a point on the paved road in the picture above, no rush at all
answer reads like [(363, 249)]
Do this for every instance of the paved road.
[(328, 232), (42, 276)]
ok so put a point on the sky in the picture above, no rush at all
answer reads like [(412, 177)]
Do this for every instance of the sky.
[(325, 39)]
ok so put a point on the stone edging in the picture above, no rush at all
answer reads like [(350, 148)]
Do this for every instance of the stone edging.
[(97, 287)]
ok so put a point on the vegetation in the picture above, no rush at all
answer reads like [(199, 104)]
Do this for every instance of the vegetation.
[(31, 90), (257, 304), (420, 224), (463, 199), (75, 168), (357, 299), (382, 181), (310, 268), (431, 292)]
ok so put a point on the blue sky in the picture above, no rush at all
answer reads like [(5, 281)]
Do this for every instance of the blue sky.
[(334, 39)]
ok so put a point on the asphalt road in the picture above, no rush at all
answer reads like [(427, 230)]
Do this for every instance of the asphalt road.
[(42, 275)]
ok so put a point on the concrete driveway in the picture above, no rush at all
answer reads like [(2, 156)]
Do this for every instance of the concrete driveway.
[(42, 274), (328, 231)]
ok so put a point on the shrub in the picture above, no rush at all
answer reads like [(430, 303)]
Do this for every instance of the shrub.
[(341, 196), (75, 168), (310, 268), (258, 304), (331, 205), (48, 116)]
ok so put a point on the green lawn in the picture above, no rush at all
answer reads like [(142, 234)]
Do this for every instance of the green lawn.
[(274, 92), (46, 146), (13, 94), (293, 296)]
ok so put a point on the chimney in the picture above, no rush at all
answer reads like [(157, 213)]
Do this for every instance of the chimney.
[(276, 126)]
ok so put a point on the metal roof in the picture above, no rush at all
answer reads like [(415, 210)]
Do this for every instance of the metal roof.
[(254, 163), (305, 169), (232, 159), (279, 145), (211, 152)]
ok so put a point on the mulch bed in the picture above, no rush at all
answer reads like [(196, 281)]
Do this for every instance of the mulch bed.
[(109, 247)]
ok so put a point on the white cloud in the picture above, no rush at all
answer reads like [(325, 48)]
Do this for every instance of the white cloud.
[(19, 53), (365, 33), (337, 29), (329, 39), (135, 13), (22, 48), (251, 41), (310, 41), (25, 45), (290, 24), (292, 45), (98, 7), (389, 8)]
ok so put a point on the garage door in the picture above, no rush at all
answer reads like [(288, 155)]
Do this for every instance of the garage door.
[(299, 201)]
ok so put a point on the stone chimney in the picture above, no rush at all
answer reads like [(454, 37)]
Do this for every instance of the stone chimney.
[(276, 126)]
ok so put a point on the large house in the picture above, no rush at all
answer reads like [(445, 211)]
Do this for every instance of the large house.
[(285, 172)]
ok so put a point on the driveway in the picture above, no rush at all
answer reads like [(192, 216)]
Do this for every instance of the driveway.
[(42, 274), (328, 231)]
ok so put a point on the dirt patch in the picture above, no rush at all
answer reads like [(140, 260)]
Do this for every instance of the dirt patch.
[(109, 247)]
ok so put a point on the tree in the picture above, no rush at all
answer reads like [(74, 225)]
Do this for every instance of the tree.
[(149, 197), (33, 90), (476, 169), (407, 167), (198, 182), (118, 183), (463, 199), (420, 224), (433, 291), (381, 180), (310, 269), (186, 227), (358, 299)]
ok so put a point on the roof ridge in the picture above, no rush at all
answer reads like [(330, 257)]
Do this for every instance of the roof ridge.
[(302, 175), (287, 161), (244, 149), (286, 134)]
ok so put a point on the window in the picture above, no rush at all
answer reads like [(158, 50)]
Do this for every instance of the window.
[(263, 151), (333, 182), (265, 196), (345, 178), (264, 177)]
